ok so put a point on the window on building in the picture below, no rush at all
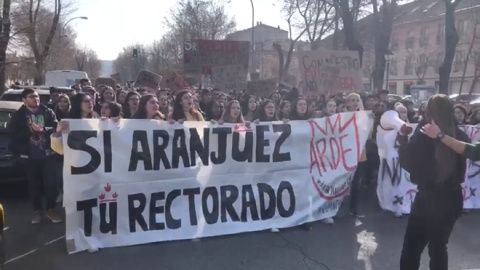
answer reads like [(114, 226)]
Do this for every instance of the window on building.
[(421, 65), (461, 29), (393, 68), (424, 37), (410, 41), (459, 62), (393, 44), (441, 33), (408, 70)]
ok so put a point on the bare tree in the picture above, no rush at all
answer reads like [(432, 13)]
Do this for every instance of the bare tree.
[(476, 73), (284, 64), (4, 40), (199, 19), (315, 16), (36, 24), (87, 60), (383, 19), (471, 53), (160, 57), (349, 11), (129, 67), (451, 41)]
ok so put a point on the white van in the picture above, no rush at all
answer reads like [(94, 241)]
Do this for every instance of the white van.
[(64, 77)]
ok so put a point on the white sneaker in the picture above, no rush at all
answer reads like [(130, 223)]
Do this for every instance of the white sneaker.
[(398, 214), (328, 220), (274, 230), (93, 250)]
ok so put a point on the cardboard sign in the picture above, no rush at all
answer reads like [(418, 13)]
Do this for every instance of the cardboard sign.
[(326, 71), (116, 77), (226, 78), (172, 80), (262, 88), (147, 79), (106, 81), (199, 56)]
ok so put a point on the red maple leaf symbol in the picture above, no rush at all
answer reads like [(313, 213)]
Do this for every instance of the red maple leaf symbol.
[(115, 195), (108, 187), (102, 196)]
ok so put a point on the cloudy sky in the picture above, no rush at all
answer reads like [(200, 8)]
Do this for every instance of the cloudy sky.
[(114, 24)]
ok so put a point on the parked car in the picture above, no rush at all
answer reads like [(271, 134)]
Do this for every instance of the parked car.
[(43, 91), (10, 167)]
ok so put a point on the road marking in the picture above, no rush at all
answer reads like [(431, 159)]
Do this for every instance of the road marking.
[(368, 246), (21, 256), (34, 250), (54, 240)]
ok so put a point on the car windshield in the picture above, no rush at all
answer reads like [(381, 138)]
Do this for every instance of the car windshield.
[(44, 99)]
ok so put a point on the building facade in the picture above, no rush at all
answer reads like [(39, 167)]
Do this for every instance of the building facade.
[(418, 44)]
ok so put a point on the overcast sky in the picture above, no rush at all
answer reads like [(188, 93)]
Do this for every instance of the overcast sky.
[(114, 24)]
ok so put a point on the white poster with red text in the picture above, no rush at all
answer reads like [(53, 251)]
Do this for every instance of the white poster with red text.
[(142, 181), (394, 189)]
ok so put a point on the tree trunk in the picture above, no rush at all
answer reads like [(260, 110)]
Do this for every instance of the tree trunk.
[(281, 60), (351, 41), (470, 48), (39, 70), (4, 39), (451, 41), (474, 82), (383, 20)]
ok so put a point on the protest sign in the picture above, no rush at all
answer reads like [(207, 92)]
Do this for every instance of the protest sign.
[(199, 56), (326, 71), (106, 81), (149, 80), (141, 181), (116, 77), (232, 77), (396, 192), (262, 88), (172, 80)]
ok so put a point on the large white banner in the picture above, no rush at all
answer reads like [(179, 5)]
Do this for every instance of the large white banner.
[(141, 181), (394, 189)]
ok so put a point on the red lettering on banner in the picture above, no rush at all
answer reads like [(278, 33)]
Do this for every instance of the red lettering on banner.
[(346, 83), (329, 151), (318, 149)]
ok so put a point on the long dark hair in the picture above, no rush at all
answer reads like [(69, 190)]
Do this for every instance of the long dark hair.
[(294, 113), (178, 113), (115, 108), (76, 110), (129, 95), (440, 109), (59, 113), (282, 105), (226, 116), (141, 113), (261, 116)]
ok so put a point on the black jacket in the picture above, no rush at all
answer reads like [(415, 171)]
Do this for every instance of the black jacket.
[(417, 156), (20, 131)]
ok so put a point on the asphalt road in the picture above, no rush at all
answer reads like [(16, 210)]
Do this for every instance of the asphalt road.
[(372, 243)]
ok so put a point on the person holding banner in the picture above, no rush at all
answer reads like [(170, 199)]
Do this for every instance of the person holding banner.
[(233, 113), (184, 109), (131, 104), (300, 110), (439, 172), (250, 108), (266, 112), (148, 109), (330, 108), (355, 103)]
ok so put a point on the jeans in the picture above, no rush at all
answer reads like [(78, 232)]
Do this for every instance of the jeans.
[(431, 222), (355, 187), (42, 181)]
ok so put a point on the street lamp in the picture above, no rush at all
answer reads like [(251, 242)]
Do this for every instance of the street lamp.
[(253, 26), (389, 56), (65, 25)]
